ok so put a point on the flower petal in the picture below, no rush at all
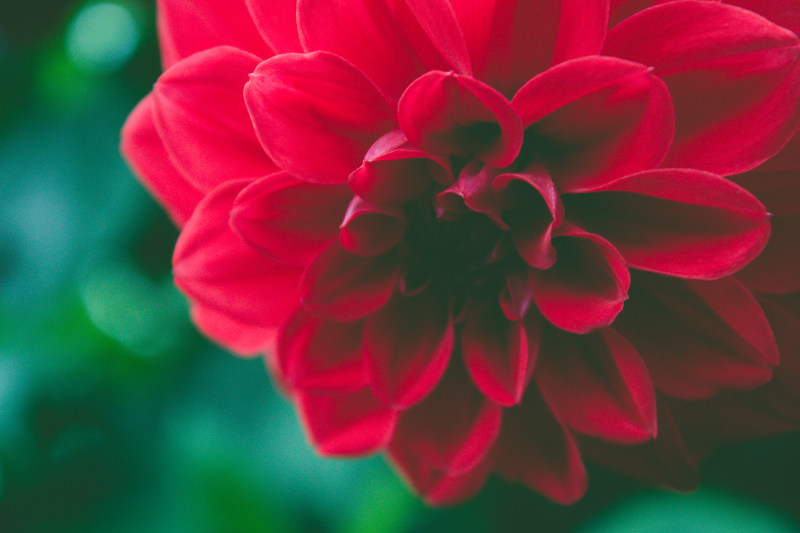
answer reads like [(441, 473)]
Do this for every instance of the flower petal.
[(200, 114), (407, 346), (447, 113), (417, 35), (782, 12), (316, 114), (452, 430), (734, 78), (510, 41), (777, 269), (776, 184), (769, 410), (216, 269), (276, 20), (683, 223), (499, 355), (437, 487), (515, 298), (344, 286), (346, 424), (315, 354), (145, 152), (532, 208), (621, 9), (598, 385), (242, 339), (595, 119), (186, 27), (369, 230), (587, 286), (471, 191), (664, 461), (699, 337), (394, 173), (287, 219), (538, 450)]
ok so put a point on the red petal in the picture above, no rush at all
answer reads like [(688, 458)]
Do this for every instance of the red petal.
[(510, 41), (346, 424), (537, 178), (472, 191), (241, 339), (621, 9), (785, 13), (186, 27), (287, 219), (144, 150), (777, 268), (315, 354), (663, 461), (276, 20), (596, 118), (515, 298), (316, 114), (200, 114), (734, 79), (369, 230), (587, 286), (683, 223), (532, 208), (786, 377), (394, 173), (446, 113), (344, 286), (598, 385), (407, 345), (393, 41), (699, 337), (769, 410), (216, 269), (452, 430), (498, 354), (536, 449), (437, 487)]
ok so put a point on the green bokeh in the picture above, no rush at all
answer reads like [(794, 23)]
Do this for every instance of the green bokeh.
[(116, 416)]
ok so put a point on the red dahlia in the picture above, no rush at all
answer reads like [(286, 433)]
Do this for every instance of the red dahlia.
[(493, 235)]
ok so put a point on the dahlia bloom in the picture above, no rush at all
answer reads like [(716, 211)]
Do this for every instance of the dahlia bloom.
[(493, 236)]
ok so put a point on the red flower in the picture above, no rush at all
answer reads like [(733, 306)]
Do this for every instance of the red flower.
[(493, 236)]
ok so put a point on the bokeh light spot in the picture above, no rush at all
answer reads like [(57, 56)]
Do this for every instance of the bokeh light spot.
[(102, 37), (129, 308)]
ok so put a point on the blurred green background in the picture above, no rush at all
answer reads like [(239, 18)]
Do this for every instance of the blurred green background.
[(116, 416)]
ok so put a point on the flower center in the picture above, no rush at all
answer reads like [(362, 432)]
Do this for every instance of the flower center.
[(450, 255)]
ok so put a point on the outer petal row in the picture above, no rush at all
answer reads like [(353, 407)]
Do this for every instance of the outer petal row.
[(393, 41), (510, 41), (316, 114), (217, 270), (201, 117), (186, 27), (734, 78), (776, 183), (683, 223), (699, 337), (145, 152)]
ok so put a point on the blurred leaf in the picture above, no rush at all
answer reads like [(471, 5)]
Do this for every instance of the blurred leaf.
[(386, 506), (705, 511)]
